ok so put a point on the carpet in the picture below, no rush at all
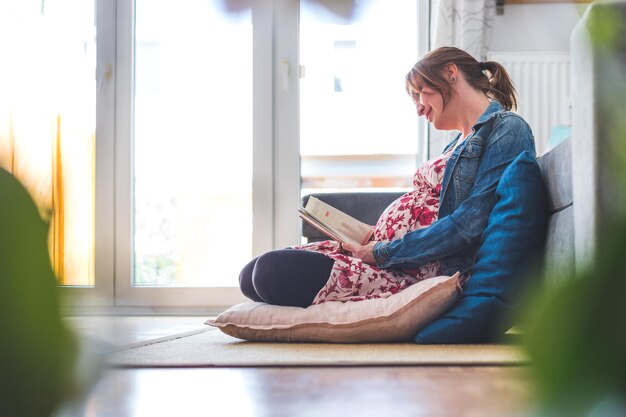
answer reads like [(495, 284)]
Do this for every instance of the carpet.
[(212, 348)]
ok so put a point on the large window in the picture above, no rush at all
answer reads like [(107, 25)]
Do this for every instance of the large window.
[(358, 129), (48, 122), (192, 143), (214, 117)]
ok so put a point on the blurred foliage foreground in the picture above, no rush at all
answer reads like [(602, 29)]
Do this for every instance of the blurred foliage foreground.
[(577, 331), (37, 351)]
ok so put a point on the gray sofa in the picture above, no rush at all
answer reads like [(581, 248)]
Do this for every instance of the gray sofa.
[(556, 170)]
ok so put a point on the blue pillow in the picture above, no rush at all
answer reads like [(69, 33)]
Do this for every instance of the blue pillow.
[(512, 242)]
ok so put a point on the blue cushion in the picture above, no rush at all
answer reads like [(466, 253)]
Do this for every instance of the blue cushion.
[(512, 242)]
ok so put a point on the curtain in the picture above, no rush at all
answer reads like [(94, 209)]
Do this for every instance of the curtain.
[(466, 24), (47, 122)]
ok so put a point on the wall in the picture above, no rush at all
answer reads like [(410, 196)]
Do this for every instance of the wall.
[(532, 32), (535, 27)]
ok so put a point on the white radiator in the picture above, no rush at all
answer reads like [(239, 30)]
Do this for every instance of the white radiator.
[(542, 81)]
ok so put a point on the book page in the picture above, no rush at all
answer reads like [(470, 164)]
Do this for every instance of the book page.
[(341, 225), (327, 230)]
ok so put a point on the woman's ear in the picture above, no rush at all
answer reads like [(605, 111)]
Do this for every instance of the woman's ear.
[(451, 71)]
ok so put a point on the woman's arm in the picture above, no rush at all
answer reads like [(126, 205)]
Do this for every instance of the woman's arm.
[(456, 232)]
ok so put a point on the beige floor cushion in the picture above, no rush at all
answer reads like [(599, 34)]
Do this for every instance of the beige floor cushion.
[(396, 318)]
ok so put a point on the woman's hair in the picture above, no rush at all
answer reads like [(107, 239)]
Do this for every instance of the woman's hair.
[(429, 71)]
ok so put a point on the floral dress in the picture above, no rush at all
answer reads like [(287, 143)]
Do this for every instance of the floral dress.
[(353, 280)]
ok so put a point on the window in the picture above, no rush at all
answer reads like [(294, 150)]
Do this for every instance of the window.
[(48, 123), (192, 144), (202, 121), (358, 129)]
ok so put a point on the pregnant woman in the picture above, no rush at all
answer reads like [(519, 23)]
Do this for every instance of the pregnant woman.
[(434, 229)]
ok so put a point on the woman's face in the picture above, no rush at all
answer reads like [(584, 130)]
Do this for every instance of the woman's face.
[(429, 103)]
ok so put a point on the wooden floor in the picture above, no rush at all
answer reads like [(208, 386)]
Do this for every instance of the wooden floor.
[(291, 391)]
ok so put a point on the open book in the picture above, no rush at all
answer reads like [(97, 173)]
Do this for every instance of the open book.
[(335, 223)]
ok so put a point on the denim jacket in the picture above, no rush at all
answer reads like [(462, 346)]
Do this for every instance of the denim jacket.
[(467, 196)]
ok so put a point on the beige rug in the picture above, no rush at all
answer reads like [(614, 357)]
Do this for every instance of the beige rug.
[(212, 348)]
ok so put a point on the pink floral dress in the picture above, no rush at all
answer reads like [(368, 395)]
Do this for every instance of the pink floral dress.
[(353, 280)]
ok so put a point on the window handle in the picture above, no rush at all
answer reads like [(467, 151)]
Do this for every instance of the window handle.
[(284, 74)]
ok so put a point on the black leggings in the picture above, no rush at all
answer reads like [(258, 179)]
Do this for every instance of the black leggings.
[(287, 277)]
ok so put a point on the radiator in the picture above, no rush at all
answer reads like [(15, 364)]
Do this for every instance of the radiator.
[(542, 81)]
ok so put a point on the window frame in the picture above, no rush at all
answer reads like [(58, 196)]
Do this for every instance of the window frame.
[(102, 292)]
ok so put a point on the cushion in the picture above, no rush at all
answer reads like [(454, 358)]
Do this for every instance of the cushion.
[(395, 318), (511, 244)]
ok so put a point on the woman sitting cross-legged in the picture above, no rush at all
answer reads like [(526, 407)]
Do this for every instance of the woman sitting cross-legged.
[(432, 230)]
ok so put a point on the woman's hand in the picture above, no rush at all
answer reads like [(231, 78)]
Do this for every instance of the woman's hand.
[(365, 253)]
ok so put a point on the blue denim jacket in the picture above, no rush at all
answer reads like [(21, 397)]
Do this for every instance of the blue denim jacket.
[(467, 196)]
